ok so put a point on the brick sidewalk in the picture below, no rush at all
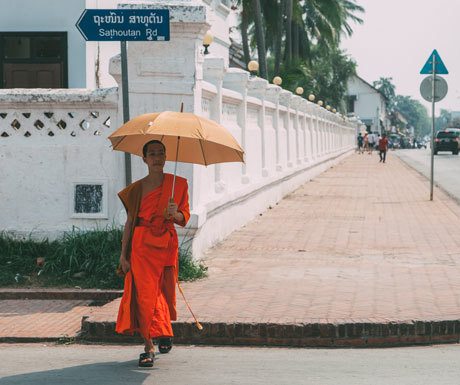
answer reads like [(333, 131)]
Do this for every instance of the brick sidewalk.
[(348, 255)]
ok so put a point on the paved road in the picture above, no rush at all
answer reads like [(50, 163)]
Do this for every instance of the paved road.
[(446, 167), (187, 365)]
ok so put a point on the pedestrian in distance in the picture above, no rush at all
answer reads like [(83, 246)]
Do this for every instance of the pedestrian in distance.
[(383, 148), (149, 255), (360, 143), (371, 143), (366, 142)]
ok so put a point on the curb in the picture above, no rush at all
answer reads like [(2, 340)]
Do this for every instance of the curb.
[(66, 294), (359, 335)]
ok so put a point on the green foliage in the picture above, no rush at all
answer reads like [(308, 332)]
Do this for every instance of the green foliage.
[(416, 114), (189, 269), (87, 259), (445, 120), (293, 28), (325, 76), (414, 111), (387, 88)]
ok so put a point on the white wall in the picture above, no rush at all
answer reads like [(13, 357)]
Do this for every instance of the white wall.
[(38, 171), (50, 16), (369, 103)]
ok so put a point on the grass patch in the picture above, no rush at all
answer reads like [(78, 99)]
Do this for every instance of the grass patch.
[(87, 259)]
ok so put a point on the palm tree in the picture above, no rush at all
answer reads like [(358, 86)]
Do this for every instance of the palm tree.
[(298, 24), (260, 38)]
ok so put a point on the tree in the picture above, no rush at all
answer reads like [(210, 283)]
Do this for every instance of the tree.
[(260, 38), (443, 120), (310, 31), (299, 24), (326, 76), (387, 88), (415, 113)]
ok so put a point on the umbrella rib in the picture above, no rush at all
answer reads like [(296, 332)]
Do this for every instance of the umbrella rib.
[(202, 152), (122, 139), (240, 156)]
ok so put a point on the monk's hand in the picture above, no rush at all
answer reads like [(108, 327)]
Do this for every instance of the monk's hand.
[(125, 265), (171, 210)]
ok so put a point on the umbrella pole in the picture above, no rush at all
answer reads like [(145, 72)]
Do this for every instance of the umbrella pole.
[(175, 169)]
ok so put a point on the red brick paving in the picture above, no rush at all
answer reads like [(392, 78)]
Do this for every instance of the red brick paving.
[(359, 243), (42, 319)]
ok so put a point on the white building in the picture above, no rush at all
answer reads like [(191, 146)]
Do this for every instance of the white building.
[(57, 169), (368, 104)]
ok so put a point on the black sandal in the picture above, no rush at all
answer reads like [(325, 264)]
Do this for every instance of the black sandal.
[(165, 345), (146, 360)]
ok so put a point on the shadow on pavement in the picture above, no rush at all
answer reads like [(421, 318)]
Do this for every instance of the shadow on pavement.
[(112, 373)]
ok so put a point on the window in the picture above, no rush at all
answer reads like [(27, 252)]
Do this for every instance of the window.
[(447, 134), (33, 59), (351, 103), (89, 200)]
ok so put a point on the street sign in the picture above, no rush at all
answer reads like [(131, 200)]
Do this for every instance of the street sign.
[(439, 69), (440, 88), (124, 25), (433, 89)]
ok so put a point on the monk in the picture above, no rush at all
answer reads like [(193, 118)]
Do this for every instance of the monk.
[(149, 255)]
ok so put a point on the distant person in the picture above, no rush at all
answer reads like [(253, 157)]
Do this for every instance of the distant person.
[(371, 143), (383, 148), (366, 142), (360, 143)]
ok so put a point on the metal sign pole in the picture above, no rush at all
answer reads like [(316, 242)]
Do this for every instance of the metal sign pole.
[(432, 128), (125, 96)]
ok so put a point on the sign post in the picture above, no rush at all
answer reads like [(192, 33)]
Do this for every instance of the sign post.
[(124, 25), (433, 89)]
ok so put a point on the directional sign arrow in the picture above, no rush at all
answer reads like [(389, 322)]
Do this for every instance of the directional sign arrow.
[(79, 22), (439, 68)]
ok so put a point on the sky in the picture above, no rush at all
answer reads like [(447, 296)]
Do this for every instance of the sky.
[(398, 36)]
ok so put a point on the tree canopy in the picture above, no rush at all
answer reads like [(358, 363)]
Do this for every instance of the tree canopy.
[(414, 111), (299, 41)]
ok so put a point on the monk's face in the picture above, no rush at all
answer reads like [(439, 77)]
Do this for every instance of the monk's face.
[(155, 157)]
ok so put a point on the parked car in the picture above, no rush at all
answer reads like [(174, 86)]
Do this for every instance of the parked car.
[(447, 140), (421, 143)]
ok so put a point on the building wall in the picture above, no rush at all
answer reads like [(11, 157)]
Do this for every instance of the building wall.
[(51, 140), (50, 16), (369, 105)]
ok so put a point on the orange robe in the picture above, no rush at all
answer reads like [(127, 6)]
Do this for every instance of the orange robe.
[(149, 301)]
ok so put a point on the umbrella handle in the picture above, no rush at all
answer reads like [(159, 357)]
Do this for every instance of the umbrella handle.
[(175, 168)]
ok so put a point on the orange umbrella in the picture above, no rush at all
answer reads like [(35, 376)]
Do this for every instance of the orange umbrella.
[(187, 137), (202, 141)]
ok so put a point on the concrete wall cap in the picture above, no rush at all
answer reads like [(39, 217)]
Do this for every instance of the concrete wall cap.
[(179, 11), (61, 96)]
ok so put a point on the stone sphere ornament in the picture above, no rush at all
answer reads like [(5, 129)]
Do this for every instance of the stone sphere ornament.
[(253, 66), (277, 80)]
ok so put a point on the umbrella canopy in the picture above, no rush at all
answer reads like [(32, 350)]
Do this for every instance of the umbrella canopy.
[(202, 141)]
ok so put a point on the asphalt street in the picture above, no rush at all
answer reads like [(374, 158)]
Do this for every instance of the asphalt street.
[(446, 167), (37, 364)]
